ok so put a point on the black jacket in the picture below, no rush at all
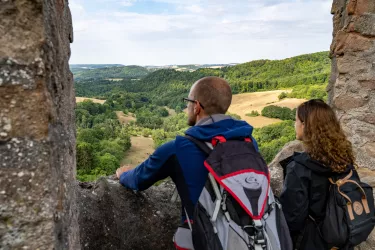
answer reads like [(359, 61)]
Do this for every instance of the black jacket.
[(303, 197)]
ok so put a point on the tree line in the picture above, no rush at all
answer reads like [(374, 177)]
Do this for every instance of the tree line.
[(166, 87)]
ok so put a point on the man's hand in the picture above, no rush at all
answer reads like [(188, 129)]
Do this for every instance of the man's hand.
[(123, 169)]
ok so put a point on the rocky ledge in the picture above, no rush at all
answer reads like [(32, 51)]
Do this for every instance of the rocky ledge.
[(113, 217)]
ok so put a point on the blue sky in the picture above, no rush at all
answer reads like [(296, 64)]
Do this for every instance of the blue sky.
[(164, 32)]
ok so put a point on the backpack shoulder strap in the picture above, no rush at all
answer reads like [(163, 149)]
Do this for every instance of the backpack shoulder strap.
[(200, 144)]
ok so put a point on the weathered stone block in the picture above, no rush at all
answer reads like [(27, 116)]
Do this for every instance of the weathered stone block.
[(347, 102), (365, 24), (350, 8), (351, 42), (370, 149), (367, 84), (365, 6)]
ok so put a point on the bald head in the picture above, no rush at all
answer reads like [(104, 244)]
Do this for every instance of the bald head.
[(213, 93)]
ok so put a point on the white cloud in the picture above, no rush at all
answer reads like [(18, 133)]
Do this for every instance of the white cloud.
[(201, 31), (194, 8), (127, 3)]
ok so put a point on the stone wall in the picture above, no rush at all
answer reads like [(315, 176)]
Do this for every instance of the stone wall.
[(37, 128), (352, 84), (112, 217)]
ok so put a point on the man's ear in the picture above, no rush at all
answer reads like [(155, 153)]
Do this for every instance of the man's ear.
[(197, 108)]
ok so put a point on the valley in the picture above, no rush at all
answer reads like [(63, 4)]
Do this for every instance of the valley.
[(121, 121)]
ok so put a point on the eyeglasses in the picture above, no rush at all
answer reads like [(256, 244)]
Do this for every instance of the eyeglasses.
[(191, 100)]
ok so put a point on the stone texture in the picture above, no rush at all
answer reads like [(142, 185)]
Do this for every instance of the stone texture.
[(364, 6), (112, 217), (37, 133), (351, 89), (351, 42), (364, 24), (352, 83)]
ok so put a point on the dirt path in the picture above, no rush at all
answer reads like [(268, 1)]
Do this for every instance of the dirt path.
[(243, 104), (140, 150), (81, 99)]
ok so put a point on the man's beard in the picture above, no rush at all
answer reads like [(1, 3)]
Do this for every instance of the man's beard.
[(191, 121)]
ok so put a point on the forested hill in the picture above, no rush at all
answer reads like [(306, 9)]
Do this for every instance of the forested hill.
[(118, 72), (168, 86), (300, 70)]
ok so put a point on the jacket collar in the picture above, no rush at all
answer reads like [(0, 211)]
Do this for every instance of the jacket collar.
[(212, 119)]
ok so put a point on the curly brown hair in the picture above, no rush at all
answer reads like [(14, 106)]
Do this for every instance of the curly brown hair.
[(323, 137)]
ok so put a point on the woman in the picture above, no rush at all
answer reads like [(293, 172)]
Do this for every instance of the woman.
[(327, 153)]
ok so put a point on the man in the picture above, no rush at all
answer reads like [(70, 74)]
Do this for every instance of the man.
[(180, 159)]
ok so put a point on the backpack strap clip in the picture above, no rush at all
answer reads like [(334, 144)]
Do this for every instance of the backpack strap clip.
[(218, 139), (259, 237)]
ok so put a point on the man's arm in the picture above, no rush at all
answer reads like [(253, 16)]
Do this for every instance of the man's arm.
[(157, 167)]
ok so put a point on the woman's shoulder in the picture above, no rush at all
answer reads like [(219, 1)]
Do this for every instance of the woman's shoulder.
[(296, 163), (299, 158), (305, 165)]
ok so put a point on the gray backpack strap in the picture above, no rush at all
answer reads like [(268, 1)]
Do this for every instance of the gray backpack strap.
[(200, 144)]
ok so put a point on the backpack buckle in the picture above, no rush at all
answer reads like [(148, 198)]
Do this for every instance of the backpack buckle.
[(259, 237), (218, 139)]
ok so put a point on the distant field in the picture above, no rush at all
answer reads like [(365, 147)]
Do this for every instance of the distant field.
[(140, 150), (81, 99), (124, 119), (170, 111), (243, 104), (114, 79)]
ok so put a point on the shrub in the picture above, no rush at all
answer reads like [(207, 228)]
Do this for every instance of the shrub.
[(282, 113), (234, 116), (253, 113), (273, 137), (283, 95)]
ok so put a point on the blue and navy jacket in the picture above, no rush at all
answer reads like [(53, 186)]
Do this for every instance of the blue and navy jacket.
[(183, 161)]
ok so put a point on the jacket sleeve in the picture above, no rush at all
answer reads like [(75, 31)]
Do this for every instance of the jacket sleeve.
[(295, 199), (157, 167)]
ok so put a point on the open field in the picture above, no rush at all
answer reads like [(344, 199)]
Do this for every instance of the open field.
[(114, 79), (125, 119), (81, 99), (243, 104), (171, 112), (140, 150)]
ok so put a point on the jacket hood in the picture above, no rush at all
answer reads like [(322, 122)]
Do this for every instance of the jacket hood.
[(229, 128), (316, 166)]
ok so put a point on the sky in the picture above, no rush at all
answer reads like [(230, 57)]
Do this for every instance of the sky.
[(168, 32)]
